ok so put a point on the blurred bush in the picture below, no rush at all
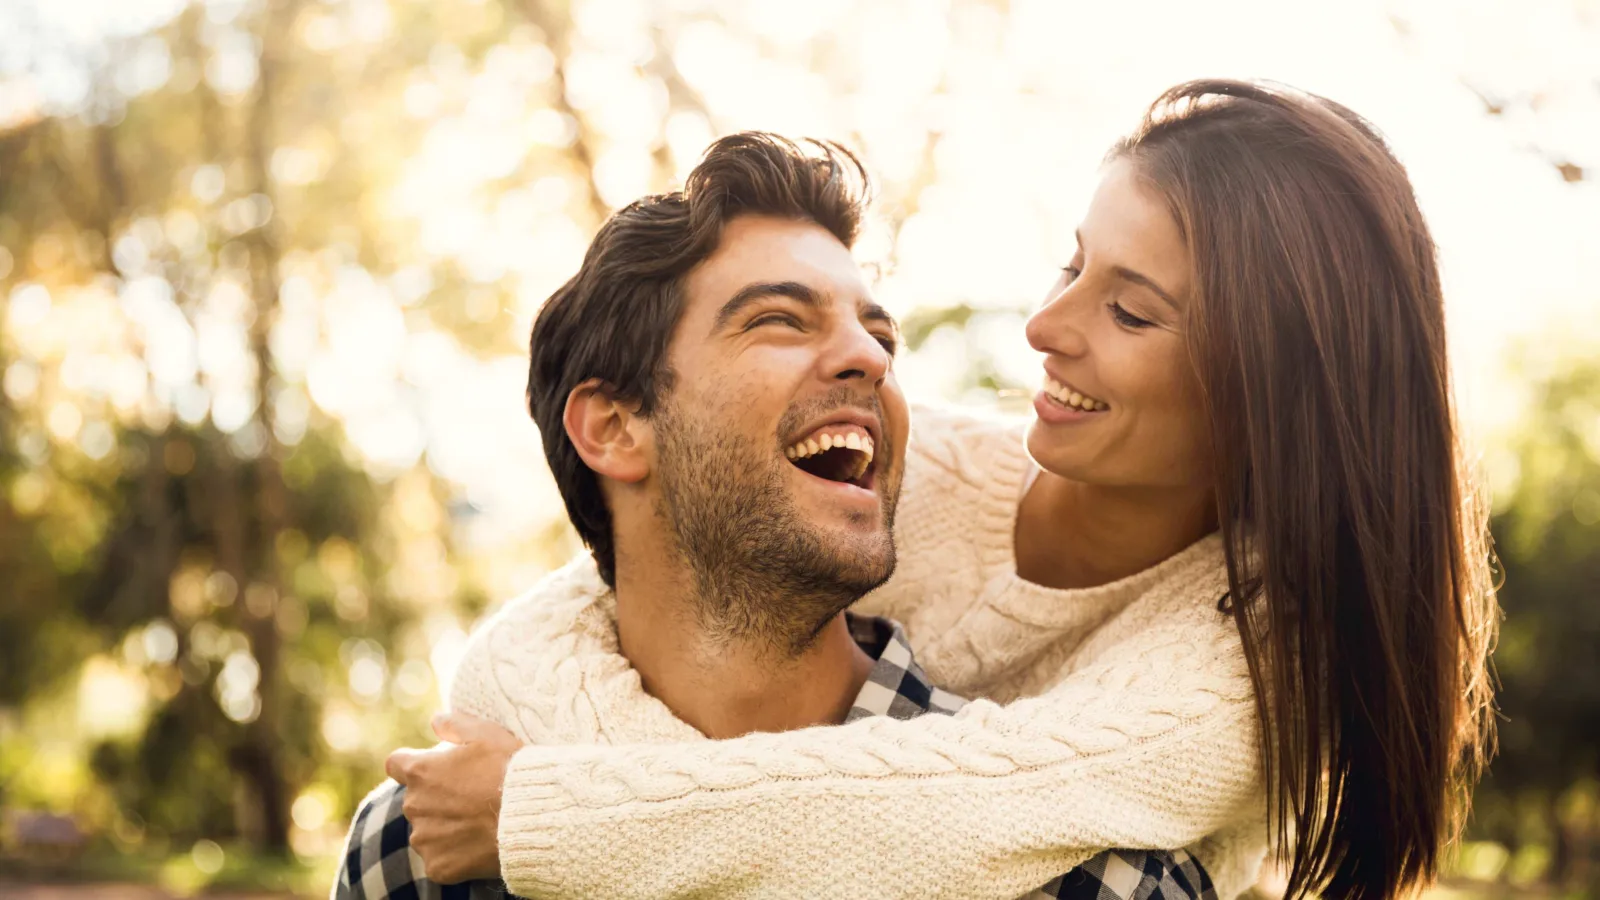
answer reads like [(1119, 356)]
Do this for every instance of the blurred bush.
[(1541, 802)]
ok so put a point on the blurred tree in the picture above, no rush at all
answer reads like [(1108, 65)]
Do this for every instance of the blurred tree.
[(195, 547)]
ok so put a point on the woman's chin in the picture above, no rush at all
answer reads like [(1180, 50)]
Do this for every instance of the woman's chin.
[(1055, 454)]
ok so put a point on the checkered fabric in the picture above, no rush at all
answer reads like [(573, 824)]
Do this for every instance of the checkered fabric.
[(896, 687), (1131, 875), (379, 863)]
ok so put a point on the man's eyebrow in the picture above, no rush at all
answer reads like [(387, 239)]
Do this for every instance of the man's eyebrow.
[(756, 290), (872, 312), (1145, 281)]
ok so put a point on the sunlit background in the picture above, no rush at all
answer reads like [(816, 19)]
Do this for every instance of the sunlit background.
[(268, 270)]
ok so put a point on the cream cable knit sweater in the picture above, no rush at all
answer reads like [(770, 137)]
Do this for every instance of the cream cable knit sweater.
[(1138, 730)]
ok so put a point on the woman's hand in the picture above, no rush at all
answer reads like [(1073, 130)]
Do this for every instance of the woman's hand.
[(453, 797)]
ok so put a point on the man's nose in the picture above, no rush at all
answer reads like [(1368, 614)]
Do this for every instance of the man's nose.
[(857, 353)]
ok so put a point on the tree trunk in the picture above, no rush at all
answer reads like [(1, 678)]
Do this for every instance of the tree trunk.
[(261, 762), (1561, 849)]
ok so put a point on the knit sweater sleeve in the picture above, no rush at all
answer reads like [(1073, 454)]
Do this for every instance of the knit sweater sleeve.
[(1152, 747)]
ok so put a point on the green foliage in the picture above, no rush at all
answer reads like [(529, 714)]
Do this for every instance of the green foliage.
[(1542, 798), (214, 632)]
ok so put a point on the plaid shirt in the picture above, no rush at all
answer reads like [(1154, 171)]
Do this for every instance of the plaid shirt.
[(379, 863)]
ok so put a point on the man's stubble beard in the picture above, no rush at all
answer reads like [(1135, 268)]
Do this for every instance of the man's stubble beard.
[(761, 573)]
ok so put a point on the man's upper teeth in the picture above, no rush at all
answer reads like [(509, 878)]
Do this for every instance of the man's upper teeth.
[(1071, 397), (815, 445)]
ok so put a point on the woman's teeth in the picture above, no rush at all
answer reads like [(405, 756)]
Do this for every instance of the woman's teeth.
[(1069, 397)]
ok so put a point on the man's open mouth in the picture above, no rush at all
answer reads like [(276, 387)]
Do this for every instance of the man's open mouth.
[(838, 452)]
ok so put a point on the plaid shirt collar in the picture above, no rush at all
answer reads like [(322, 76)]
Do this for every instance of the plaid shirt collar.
[(896, 687)]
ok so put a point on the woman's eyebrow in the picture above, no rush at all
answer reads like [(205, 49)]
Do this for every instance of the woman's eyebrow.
[(1139, 278), (1128, 274)]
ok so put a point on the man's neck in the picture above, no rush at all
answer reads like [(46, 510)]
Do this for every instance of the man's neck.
[(726, 687)]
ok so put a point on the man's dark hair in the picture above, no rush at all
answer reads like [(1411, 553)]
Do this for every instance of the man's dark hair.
[(614, 319)]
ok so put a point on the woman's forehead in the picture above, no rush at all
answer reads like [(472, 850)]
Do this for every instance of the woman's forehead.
[(1129, 224)]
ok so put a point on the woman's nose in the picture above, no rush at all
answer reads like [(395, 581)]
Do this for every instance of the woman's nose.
[(1056, 327)]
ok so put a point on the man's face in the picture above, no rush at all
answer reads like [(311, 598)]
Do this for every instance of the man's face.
[(781, 441)]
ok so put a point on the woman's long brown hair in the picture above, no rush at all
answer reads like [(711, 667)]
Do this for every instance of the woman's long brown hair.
[(1356, 546)]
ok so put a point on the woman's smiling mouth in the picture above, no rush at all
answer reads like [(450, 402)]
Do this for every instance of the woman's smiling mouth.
[(1067, 396)]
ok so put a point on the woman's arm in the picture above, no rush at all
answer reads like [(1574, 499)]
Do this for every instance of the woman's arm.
[(1154, 751)]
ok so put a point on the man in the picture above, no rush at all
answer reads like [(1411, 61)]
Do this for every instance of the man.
[(719, 409)]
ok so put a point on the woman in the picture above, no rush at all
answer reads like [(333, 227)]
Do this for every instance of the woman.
[(1238, 573)]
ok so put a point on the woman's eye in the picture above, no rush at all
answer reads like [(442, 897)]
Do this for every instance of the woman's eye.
[(1070, 273), (1127, 319)]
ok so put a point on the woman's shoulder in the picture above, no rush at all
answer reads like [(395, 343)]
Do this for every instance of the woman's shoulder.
[(964, 473), (953, 438), (1178, 621), (1023, 639)]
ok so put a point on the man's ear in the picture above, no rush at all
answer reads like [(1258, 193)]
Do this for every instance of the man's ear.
[(611, 437)]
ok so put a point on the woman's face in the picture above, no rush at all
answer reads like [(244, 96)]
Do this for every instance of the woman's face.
[(1120, 405)]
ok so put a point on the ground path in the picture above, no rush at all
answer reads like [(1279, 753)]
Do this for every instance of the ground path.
[(12, 890)]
